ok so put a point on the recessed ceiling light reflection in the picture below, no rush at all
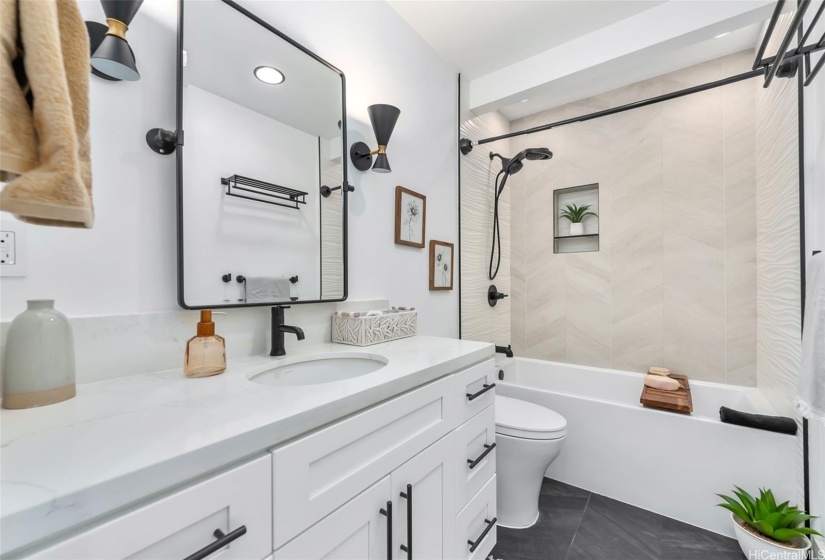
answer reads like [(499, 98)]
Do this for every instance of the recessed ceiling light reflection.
[(269, 75)]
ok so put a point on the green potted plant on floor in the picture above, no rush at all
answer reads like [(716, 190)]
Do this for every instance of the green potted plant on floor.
[(576, 215), (767, 530)]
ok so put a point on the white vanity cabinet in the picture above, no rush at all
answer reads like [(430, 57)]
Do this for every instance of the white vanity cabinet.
[(425, 516), (429, 453), (320, 472), (359, 530), (410, 477), (237, 503), (374, 525), (475, 525)]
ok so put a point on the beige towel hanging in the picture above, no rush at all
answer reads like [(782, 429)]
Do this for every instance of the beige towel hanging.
[(44, 148)]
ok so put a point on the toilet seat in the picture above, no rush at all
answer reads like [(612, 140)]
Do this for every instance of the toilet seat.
[(527, 420)]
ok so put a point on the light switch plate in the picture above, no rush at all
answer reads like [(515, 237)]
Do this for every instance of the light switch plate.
[(13, 250)]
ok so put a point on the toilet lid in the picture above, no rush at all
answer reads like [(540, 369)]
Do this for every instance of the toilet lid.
[(526, 420)]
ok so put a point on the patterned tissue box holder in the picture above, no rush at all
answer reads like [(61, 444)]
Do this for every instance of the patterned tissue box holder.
[(359, 329)]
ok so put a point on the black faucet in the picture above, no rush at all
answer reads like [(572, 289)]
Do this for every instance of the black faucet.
[(506, 350), (278, 330)]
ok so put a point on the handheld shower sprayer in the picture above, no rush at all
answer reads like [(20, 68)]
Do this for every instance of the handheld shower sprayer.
[(509, 167)]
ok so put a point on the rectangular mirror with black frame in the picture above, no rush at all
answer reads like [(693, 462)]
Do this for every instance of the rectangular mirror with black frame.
[(262, 217)]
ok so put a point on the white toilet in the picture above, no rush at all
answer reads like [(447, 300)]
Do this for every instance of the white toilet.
[(528, 438)]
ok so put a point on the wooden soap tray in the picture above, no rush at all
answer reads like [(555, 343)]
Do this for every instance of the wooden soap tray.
[(676, 401)]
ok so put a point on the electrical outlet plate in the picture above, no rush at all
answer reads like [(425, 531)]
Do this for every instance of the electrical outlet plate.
[(13, 250), (7, 247)]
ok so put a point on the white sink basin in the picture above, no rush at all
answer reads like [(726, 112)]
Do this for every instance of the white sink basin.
[(324, 368)]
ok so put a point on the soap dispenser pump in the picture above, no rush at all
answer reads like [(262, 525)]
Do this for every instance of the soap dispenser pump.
[(205, 352)]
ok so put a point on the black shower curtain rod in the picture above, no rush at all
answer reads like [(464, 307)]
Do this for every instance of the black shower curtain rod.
[(763, 69)]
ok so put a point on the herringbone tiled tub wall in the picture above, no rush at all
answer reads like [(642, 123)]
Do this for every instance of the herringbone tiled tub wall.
[(675, 279)]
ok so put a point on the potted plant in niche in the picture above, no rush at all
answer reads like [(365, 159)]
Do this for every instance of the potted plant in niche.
[(576, 215), (767, 530)]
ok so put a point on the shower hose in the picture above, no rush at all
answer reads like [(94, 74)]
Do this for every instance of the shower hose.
[(495, 250)]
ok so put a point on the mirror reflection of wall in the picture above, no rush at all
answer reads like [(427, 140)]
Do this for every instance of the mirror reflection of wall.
[(278, 126), (332, 225)]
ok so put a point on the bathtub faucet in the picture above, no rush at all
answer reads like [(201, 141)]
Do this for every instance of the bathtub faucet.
[(506, 350)]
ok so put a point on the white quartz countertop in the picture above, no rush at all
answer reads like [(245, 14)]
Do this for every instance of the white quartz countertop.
[(122, 440)]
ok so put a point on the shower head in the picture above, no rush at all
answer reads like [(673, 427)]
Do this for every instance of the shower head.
[(508, 167), (536, 154), (514, 164)]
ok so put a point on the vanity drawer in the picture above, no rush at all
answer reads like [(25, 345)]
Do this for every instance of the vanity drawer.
[(476, 524), (318, 473), (470, 392), (183, 523), (470, 442)]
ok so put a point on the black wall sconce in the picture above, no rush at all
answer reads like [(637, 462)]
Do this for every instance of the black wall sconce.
[(383, 119), (163, 141), (112, 57)]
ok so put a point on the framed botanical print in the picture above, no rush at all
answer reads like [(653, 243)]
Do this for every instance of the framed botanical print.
[(441, 265), (410, 217)]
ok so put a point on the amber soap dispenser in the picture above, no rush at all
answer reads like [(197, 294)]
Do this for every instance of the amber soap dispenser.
[(206, 352)]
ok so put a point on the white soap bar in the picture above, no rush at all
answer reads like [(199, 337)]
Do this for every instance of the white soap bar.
[(661, 382), (658, 371)]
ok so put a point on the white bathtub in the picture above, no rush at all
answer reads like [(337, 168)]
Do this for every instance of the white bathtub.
[(670, 463)]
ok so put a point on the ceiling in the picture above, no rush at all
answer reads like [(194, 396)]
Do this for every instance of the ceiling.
[(521, 57), (620, 72), (480, 36)]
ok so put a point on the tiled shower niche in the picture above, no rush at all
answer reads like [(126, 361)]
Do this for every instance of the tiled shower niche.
[(566, 241)]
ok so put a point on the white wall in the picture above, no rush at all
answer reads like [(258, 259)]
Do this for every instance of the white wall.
[(479, 321), (224, 234), (127, 263), (778, 232), (814, 126)]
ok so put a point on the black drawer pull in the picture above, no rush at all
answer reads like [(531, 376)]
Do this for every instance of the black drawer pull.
[(388, 514), (222, 541), (490, 524), (408, 496), (486, 388), (480, 458)]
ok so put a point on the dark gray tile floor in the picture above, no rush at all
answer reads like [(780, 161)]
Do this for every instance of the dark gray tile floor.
[(578, 525)]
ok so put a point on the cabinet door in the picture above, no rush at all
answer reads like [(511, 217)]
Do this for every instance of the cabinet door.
[(358, 530), (424, 486), (316, 474), (238, 503)]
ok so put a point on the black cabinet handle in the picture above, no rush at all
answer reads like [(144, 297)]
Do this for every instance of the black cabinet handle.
[(222, 541), (408, 496), (388, 513), (480, 458), (486, 388), (490, 524)]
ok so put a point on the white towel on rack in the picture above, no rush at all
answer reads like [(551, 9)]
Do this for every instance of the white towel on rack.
[(810, 398), (260, 289)]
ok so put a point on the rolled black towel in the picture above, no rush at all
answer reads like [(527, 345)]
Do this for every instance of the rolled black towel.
[(781, 424)]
